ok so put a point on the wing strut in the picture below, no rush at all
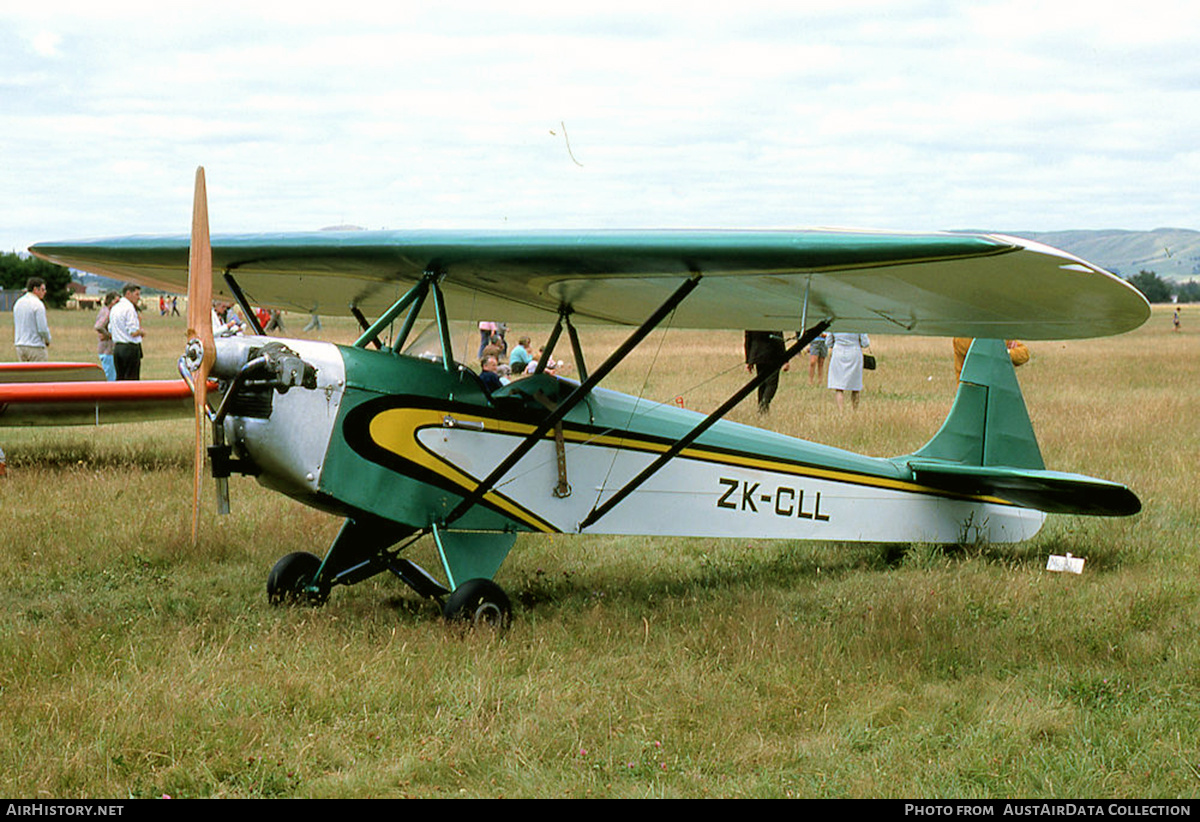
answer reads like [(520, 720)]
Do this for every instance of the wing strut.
[(414, 297), (702, 426), (564, 318), (240, 296), (548, 348), (364, 325), (439, 311), (576, 396), (576, 348)]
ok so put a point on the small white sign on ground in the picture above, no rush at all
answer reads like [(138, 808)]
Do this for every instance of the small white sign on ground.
[(1068, 563)]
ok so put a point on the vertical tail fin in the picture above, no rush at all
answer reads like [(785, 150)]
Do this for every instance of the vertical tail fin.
[(988, 424), (986, 446)]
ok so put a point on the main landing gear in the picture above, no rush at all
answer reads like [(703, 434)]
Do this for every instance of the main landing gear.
[(362, 549), (477, 603)]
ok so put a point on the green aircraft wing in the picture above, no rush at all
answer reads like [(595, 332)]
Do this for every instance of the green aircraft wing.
[(928, 284)]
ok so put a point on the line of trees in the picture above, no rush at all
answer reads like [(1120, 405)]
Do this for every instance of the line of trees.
[(16, 269), (1158, 290)]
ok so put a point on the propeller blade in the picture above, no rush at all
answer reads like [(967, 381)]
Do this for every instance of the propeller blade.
[(201, 352)]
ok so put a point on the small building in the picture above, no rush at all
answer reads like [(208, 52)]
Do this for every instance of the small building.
[(84, 301)]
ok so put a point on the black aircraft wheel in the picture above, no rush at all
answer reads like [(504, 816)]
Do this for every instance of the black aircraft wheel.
[(479, 603), (290, 576)]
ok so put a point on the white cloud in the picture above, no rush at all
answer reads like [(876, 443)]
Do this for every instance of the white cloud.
[(46, 44), (907, 115)]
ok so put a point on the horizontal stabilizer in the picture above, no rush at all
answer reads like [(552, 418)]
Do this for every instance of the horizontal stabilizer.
[(1054, 492)]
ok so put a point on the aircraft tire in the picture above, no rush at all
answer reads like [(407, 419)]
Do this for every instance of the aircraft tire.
[(286, 582), (479, 603)]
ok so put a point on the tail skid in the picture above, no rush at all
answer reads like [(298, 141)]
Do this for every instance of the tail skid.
[(987, 446)]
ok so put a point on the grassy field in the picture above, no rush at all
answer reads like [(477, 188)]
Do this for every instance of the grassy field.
[(133, 665)]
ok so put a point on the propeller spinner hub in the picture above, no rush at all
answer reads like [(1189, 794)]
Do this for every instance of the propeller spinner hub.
[(193, 355)]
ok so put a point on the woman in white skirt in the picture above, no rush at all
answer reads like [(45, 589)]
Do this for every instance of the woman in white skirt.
[(846, 365)]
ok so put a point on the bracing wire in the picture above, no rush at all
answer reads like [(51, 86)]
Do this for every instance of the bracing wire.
[(635, 412)]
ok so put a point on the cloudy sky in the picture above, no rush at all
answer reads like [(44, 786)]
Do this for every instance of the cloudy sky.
[(1010, 115)]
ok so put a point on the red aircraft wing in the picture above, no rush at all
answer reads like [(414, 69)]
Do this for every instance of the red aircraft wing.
[(83, 401)]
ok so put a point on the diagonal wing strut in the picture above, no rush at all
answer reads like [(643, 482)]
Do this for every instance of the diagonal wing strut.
[(576, 397), (702, 426)]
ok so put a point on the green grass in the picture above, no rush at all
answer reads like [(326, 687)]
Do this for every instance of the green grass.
[(132, 664)]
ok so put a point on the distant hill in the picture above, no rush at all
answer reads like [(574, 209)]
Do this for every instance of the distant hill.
[(1171, 253), (96, 284)]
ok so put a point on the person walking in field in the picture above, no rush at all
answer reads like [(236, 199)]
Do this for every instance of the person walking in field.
[(818, 353), (846, 366), (766, 351), (31, 332)]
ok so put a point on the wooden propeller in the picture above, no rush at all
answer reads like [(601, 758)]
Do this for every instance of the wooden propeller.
[(201, 351)]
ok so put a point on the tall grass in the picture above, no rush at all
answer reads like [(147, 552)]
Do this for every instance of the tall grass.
[(132, 664)]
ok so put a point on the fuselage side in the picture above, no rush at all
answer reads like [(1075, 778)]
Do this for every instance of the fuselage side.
[(405, 439)]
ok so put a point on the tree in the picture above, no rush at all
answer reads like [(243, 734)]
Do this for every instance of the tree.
[(15, 271), (1188, 292), (1152, 286)]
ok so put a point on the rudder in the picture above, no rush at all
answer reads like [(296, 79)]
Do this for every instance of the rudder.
[(988, 425)]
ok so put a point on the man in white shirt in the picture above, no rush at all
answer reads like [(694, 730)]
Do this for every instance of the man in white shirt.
[(126, 330), (32, 333)]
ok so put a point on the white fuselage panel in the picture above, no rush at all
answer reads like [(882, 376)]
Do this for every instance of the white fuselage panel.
[(725, 496)]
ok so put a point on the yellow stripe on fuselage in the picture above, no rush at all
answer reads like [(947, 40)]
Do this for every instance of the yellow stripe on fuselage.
[(395, 430)]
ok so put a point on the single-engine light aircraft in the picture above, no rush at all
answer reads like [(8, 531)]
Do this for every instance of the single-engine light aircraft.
[(402, 441)]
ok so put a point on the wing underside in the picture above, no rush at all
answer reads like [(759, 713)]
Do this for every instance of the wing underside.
[(928, 284)]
